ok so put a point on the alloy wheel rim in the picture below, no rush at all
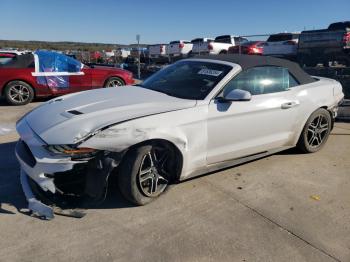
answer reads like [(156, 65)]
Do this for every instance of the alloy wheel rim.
[(153, 177), (114, 83), (317, 131), (19, 93)]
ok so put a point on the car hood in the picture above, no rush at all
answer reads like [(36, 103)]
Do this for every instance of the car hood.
[(71, 118)]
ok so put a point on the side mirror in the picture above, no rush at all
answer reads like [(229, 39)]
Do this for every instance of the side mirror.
[(236, 95)]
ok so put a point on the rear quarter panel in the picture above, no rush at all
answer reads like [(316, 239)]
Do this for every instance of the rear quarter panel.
[(325, 93), (22, 74), (99, 76)]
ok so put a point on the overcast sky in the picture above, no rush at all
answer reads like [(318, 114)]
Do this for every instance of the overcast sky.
[(114, 21)]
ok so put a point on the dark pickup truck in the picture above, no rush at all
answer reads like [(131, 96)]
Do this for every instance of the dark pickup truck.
[(326, 45)]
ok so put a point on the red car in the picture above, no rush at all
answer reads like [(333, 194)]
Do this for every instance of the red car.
[(248, 48), (44, 74)]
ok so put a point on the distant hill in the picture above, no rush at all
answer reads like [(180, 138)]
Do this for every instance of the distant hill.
[(80, 46)]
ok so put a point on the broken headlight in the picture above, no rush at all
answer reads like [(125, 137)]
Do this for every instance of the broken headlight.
[(71, 150)]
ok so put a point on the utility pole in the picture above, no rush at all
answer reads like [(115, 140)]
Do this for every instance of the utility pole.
[(138, 49)]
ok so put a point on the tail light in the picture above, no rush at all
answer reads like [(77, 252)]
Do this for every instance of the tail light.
[(161, 48), (255, 50), (210, 47), (290, 42), (181, 45), (346, 38)]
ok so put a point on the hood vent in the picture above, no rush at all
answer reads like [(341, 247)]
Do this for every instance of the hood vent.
[(75, 112)]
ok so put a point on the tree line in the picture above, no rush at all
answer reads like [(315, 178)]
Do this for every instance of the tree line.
[(62, 46)]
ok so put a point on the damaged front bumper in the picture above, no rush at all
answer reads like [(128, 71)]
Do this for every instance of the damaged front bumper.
[(59, 175)]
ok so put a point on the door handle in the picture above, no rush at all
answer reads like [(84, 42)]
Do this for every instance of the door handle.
[(290, 104)]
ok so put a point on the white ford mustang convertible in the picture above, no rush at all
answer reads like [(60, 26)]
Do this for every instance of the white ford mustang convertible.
[(193, 117)]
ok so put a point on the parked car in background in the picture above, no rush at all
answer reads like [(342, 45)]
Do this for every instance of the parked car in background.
[(155, 51), (179, 48), (222, 43), (142, 50), (325, 45), (200, 45), (170, 127), (122, 52), (45, 73), (248, 48), (282, 45), (14, 51), (6, 57)]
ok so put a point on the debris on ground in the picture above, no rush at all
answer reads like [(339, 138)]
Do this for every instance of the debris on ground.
[(315, 197)]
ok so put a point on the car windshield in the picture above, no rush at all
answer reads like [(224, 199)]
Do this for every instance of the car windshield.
[(187, 79)]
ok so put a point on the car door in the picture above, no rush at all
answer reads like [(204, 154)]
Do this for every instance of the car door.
[(244, 128)]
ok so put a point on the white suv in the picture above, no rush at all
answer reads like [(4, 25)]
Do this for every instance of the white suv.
[(282, 45)]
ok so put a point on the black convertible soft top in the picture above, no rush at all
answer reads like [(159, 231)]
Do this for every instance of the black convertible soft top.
[(249, 61)]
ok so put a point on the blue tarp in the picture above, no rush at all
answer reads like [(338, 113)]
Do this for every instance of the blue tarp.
[(58, 68), (56, 62)]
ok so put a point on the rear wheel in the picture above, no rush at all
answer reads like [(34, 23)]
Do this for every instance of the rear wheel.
[(18, 93), (223, 52), (316, 131), (145, 173), (114, 82)]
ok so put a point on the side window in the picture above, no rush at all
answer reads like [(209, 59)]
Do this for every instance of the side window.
[(292, 81), (262, 80)]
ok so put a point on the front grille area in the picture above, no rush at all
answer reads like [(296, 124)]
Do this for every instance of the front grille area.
[(25, 154)]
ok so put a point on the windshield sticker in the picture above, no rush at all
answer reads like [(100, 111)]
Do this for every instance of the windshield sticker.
[(209, 72)]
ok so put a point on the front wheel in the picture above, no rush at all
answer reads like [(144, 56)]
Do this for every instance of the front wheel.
[(316, 131), (114, 82), (145, 173)]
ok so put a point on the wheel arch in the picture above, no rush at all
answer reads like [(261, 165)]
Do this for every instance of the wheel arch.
[(305, 120), (166, 143), (112, 76), (331, 115)]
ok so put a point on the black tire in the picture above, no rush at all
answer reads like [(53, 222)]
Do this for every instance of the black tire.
[(18, 93), (133, 170), (223, 52), (114, 82), (316, 131)]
